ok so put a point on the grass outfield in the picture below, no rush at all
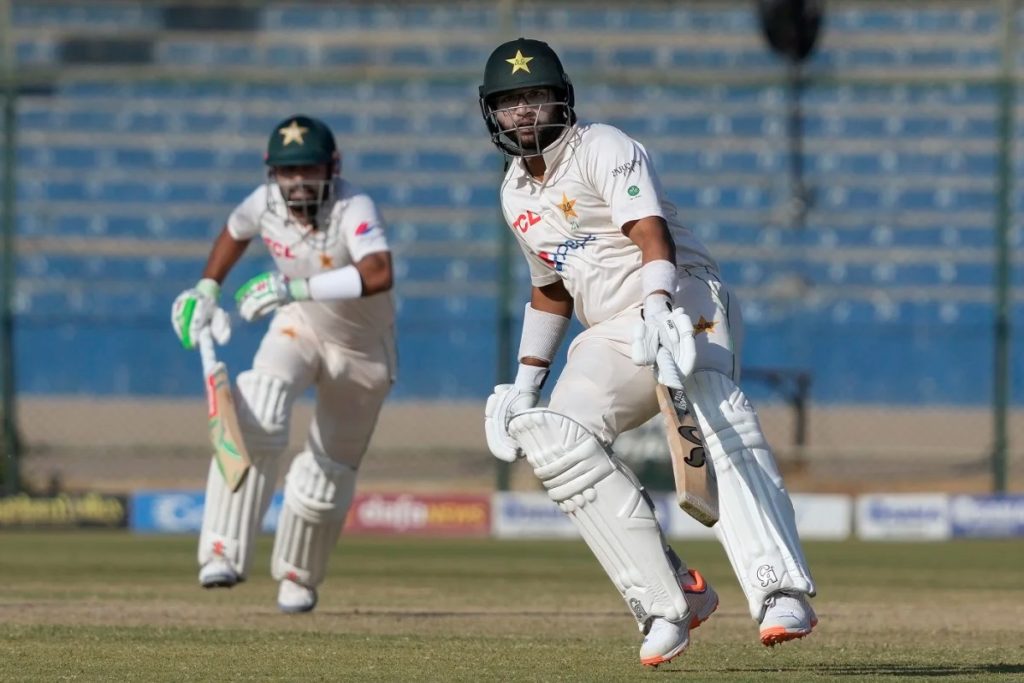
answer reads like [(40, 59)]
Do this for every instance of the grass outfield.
[(107, 606)]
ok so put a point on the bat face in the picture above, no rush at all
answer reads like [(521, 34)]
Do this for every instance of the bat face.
[(696, 485), (225, 435)]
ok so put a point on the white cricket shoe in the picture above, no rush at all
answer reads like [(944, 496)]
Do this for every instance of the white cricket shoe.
[(293, 597), (701, 598), (663, 641), (787, 616), (218, 573)]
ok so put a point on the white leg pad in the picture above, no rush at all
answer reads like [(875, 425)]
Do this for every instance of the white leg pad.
[(757, 526), (317, 496), (264, 407), (608, 507), (231, 520)]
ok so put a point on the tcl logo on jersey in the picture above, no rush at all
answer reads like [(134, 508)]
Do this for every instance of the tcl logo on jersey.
[(525, 220), (278, 249), (557, 258)]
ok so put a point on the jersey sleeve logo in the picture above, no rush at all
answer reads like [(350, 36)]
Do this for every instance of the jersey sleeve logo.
[(364, 228)]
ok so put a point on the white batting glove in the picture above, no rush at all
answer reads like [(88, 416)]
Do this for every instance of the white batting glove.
[(196, 308), (507, 401), (267, 292), (664, 339)]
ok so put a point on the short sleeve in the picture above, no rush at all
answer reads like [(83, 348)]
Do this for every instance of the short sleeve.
[(244, 221), (363, 227), (621, 173)]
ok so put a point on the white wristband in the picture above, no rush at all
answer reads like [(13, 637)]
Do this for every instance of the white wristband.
[(659, 275), (530, 377), (542, 334), (340, 283)]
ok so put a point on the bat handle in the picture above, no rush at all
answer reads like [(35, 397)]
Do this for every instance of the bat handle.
[(206, 351)]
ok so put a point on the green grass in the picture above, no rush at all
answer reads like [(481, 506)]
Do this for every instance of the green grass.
[(107, 606)]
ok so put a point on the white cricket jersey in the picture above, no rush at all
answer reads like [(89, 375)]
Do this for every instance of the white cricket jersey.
[(569, 225), (350, 229)]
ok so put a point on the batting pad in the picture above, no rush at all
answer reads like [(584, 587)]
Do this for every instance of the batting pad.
[(608, 508), (264, 407), (317, 495), (231, 519), (757, 526)]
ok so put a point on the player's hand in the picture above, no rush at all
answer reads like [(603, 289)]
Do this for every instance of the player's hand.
[(196, 308), (664, 339), (506, 402), (267, 292)]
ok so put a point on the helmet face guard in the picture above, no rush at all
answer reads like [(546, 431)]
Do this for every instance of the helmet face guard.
[(305, 197), (303, 142), (531, 138), (514, 75)]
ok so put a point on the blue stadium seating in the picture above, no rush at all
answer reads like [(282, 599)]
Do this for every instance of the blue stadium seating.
[(903, 176)]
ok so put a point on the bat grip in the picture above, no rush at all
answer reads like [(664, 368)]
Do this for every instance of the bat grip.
[(206, 350)]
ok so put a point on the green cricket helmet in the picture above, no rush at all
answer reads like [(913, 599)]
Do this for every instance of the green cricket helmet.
[(525, 84), (304, 141)]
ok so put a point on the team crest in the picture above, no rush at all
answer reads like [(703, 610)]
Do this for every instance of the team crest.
[(293, 132), (520, 63), (703, 325), (567, 207)]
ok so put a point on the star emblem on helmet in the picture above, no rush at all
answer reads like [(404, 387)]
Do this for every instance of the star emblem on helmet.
[(567, 207), (293, 132), (519, 62)]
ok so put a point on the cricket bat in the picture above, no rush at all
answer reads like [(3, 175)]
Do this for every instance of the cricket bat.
[(696, 486), (228, 447)]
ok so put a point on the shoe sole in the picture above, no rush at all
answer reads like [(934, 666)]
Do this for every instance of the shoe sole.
[(779, 634), (221, 582), (663, 659), (295, 609)]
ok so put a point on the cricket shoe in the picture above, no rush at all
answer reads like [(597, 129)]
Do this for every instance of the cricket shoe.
[(787, 616), (663, 641), (701, 598), (218, 573), (294, 598)]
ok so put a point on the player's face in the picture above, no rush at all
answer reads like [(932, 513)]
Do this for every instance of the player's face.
[(528, 116), (304, 187), (301, 183)]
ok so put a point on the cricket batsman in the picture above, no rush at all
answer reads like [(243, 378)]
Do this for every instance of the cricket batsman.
[(588, 212), (331, 328)]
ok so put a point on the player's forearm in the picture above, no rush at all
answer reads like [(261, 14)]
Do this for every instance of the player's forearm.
[(223, 256), (544, 324), (375, 272), (652, 235)]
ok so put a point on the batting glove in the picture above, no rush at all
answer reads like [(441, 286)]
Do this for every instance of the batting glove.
[(664, 339), (507, 401), (267, 292), (196, 308)]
